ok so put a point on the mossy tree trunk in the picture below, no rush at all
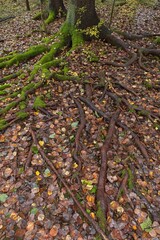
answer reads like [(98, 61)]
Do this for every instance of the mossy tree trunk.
[(82, 14), (55, 8)]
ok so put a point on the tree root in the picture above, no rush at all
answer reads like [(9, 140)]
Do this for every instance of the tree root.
[(119, 124), (101, 201), (30, 88), (133, 37), (11, 76), (140, 110), (22, 57), (50, 164), (78, 134)]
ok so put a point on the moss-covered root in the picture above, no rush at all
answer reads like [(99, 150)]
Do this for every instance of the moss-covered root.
[(101, 217), (51, 17), (22, 57), (11, 76), (28, 89)]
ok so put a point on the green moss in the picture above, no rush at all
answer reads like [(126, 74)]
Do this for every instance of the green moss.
[(101, 217), (3, 93), (4, 86), (11, 76), (45, 73), (65, 70), (148, 84), (3, 124), (22, 114), (37, 16), (2, 59), (143, 113), (60, 77), (28, 87), (21, 57), (130, 179), (157, 40), (53, 63), (77, 38), (39, 102), (22, 105), (91, 56), (8, 107), (51, 17), (156, 126)]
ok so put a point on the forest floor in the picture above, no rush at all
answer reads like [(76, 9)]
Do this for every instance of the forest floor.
[(34, 204)]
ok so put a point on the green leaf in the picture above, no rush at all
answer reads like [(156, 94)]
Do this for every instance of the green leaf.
[(3, 197), (147, 225), (93, 190), (88, 211), (34, 211), (35, 150), (74, 124), (52, 135)]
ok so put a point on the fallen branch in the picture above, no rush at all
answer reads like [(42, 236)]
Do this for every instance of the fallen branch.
[(50, 164)]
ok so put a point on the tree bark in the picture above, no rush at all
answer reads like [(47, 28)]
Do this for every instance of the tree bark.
[(27, 5), (82, 13), (56, 6)]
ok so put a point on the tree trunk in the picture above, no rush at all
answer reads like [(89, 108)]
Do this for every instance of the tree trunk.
[(56, 6), (82, 14), (27, 5)]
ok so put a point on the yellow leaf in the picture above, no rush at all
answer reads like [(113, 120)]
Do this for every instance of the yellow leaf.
[(37, 173), (41, 143), (49, 192), (90, 199), (36, 113), (92, 215), (75, 165), (134, 227)]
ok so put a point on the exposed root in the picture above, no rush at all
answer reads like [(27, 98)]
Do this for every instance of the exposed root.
[(78, 134), (101, 201), (50, 164), (140, 110), (22, 57), (133, 37), (119, 124), (30, 88), (11, 76)]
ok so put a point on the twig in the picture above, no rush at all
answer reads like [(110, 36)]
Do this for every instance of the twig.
[(50, 164)]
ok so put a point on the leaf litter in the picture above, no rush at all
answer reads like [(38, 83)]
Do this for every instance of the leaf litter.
[(34, 204)]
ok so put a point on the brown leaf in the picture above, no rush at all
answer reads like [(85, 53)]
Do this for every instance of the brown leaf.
[(53, 232)]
